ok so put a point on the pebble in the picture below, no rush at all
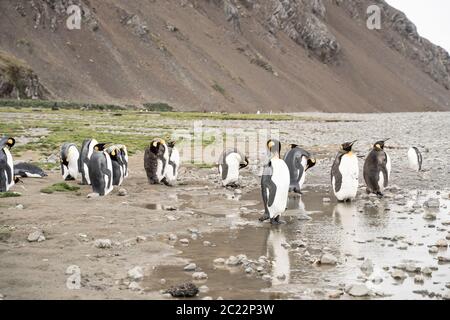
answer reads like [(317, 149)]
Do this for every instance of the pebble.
[(399, 275), (203, 289), (326, 200), (103, 243), (19, 206), (419, 278), (367, 266), (36, 236), (429, 215), (134, 286), (141, 239), (432, 203), (266, 277), (190, 267), (377, 280), (444, 258), (184, 241), (232, 261), (441, 243), (298, 244), (359, 290), (249, 270), (334, 294), (412, 268), (427, 271), (207, 298), (328, 259), (173, 237), (206, 243), (433, 249), (219, 261), (447, 236), (123, 192), (402, 246), (136, 274), (199, 276), (162, 281)]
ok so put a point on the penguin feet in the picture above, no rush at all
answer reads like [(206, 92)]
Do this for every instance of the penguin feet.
[(264, 217), (380, 195), (17, 180), (276, 221)]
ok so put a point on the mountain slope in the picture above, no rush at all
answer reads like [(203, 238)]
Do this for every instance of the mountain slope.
[(223, 55)]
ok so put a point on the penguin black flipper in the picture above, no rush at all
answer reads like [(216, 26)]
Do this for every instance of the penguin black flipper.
[(419, 157), (3, 171), (336, 173), (299, 167)]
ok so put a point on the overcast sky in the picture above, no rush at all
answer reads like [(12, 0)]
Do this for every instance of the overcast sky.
[(432, 18)]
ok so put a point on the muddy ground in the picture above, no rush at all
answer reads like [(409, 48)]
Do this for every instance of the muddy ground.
[(371, 249)]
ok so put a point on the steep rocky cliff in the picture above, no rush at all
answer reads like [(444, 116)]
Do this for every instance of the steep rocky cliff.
[(228, 55)]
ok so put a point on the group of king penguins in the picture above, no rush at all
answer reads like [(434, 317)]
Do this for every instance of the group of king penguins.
[(281, 176), (101, 165)]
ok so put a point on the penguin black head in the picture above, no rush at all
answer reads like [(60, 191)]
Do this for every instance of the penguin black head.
[(379, 145), (244, 163), (293, 146), (274, 146), (100, 146), (310, 163), (115, 154), (10, 142), (347, 146)]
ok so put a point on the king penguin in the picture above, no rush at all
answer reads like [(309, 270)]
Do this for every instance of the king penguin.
[(274, 184), (156, 158), (230, 162), (70, 157), (345, 173), (173, 165), (6, 164), (117, 162), (87, 149), (28, 170), (100, 170), (377, 169), (298, 162), (414, 159)]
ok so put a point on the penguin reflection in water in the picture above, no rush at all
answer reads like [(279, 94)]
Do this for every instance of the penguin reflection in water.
[(377, 169), (230, 162), (7, 179), (274, 184), (156, 158), (298, 162), (345, 173), (101, 170)]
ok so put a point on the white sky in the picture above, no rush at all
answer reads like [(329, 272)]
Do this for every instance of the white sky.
[(431, 17)]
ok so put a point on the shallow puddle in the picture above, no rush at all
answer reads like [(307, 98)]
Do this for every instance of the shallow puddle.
[(389, 232)]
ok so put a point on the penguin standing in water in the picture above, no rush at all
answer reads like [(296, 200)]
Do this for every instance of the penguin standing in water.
[(171, 174), (345, 173), (298, 162), (7, 179), (274, 184), (100, 170), (87, 149), (230, 162), (117, 162), (70, 157), (414, 159), (377, 169), (156, 158)]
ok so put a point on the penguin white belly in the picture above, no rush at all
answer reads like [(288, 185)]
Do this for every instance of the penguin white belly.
[(302, 179), (281, 179), (388, 166), (159, 170), (72, 159), (233, 171), (413, 161), (349, 170), (10, 162), (381, 181), (172, 169), (108, 182), (86, 172)]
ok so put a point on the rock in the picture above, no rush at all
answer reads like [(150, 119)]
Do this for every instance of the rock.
[(442, 243), (219, 261), (92, 195), (122, 192), (432, 203), (444, 259), (19, 206), (190, 267), (171, 218), (427, 271), (433, 249), (141, 239), (1, 297), (359, 290), (36, 236), (206, 243), (447, 236), (199, 276), (412, 268), (377, 280), (326, 200), (207, 298), (298, 244), (430, 215), (446, 296), (334, 294), (136, 274), (203, 289), (173, 237), (103, 243), (419, 278), (134, 286), (399, 275), (266, 277), (184, 241), (328, 259), (232, 261), (367, 266), (185, 290), (248, 270), (162, 281), (402, 246)]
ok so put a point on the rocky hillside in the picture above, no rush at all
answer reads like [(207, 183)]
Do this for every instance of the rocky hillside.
[(229, 55)]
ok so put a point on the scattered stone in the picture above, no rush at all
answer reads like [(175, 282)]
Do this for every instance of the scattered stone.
[(298, 244), (248, 270), (207, 298), (190, 267), (203, 289), (430, 215), (103, 243), (19, 206), (447, 236), (367, 266), (266, 277), (199, 276), (141, 239), (399, 275), (359, 290), (134, 286), (432, 203), (162, 281), (185, 290), (377, 280), (446, 296), (328, 259), (441, 243), (171, 218), (206, 243), (93, 195), (184, 241), (412, 268), (402, 246), (433, 249), (136, 274), (123, 192), (334, 294), (427, 271), (36, 236), (326, 200), (232, 261), (444, 259), (219, 261), (173, 237), (419, 278)]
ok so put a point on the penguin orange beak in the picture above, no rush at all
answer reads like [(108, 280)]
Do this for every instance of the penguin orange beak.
[(352, 143)]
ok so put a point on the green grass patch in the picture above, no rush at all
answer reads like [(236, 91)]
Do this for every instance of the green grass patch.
[(158, 107), (60, 187), (202, 165), (9, 194), (218, 88), (228, 116), (49, 104)]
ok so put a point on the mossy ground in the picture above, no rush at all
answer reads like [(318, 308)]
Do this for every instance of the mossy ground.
[(9, 194), (60, 187)]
